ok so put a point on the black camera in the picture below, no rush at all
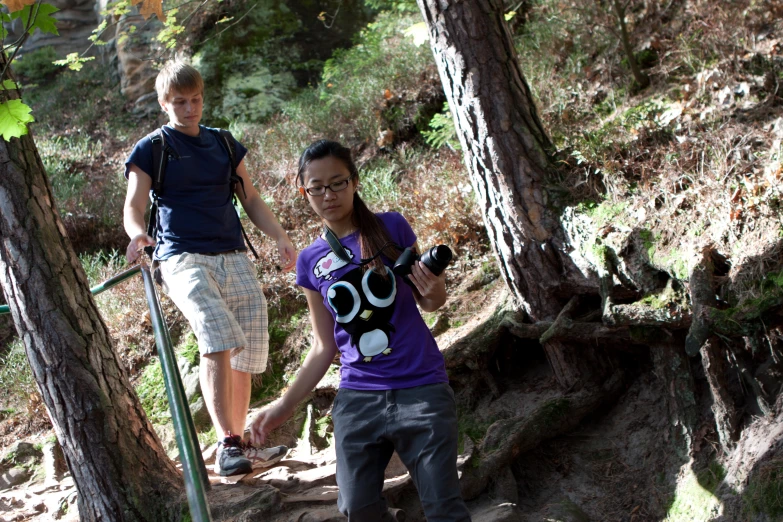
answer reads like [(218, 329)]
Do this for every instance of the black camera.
[(436, 259)]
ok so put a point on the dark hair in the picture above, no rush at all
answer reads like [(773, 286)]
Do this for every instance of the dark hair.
[(373, 235)]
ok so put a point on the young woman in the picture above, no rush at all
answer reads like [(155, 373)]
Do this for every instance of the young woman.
[(394, 392)]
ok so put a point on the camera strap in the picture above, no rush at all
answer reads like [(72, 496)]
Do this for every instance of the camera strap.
[(334, 244), (339, 249)]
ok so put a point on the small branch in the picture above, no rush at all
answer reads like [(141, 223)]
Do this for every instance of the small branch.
[(641, 78), (562, 321)]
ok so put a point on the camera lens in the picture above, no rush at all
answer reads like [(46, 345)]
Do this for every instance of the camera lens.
[(437, 258)]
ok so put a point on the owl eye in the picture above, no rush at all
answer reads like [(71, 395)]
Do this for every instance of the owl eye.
[(379, 291), (344, 300)]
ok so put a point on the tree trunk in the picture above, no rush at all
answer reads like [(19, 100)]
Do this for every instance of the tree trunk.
[(506, 151), (116, 460)]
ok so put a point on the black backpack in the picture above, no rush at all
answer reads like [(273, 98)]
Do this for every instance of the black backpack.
[(160, 156)]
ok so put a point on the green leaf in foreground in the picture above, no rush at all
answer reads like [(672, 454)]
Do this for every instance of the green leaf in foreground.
[(43, 19), (14, 117), (74, 61)]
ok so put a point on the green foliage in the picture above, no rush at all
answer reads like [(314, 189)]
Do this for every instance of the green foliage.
[(443, 131), (469, 425), (281, 324), (602, 213), (171, 30), (205, 438), (60, 103), (74, 62), (16, 376), (403, 6), (151, 390), (694, 498), (36, 66), (100, 265), (64, 158), (764, 492), (188, 349), (255, 95), (379, 185), (648, 240), (354, 80), (14, 117), (247, 70), (36, 16)]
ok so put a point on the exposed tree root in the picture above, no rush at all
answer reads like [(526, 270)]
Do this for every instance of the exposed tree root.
[(507, 439), (674, 372)]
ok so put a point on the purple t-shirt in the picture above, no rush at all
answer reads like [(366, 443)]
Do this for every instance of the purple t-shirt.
[(383, 340)]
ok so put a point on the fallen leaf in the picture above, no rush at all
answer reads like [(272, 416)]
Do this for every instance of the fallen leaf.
[(16, 5)]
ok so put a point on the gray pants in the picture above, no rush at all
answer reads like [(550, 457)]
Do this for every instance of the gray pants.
[(421, 424)]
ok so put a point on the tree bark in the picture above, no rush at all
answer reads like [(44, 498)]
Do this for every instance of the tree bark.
[(117, 462), (507, 151)]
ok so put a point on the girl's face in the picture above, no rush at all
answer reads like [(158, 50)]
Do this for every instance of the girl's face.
[(330, 176)]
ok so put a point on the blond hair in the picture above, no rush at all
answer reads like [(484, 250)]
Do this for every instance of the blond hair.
[(180, 76)]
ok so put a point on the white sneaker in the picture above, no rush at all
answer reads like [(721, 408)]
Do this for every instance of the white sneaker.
[(266, 457)]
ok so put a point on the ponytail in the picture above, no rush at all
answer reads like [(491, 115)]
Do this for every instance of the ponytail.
[(373, 235)]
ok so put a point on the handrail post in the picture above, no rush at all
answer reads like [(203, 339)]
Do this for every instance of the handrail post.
[(196, 479)]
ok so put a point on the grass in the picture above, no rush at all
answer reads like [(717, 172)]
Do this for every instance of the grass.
[(65, 159), (355, 80), (694, 499), (764, 493), (16, 379), (151, 390), (60, 103)]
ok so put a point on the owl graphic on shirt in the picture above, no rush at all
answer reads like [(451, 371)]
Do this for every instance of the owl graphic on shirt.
[(363, 303)]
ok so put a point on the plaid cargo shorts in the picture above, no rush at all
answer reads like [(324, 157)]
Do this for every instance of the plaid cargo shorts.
[(220, 296)]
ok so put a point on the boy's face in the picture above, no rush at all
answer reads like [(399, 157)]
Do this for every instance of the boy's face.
[(184, 110)]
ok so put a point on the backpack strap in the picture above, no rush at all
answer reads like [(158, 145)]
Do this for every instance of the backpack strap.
[(160, 157), (228, 142), (159, 160)]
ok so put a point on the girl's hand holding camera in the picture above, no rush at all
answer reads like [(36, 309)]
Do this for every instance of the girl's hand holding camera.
[(431, 287)]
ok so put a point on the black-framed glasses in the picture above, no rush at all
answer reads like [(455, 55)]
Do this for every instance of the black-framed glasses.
[(337, 186)]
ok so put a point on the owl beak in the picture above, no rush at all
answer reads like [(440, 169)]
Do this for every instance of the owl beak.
[(366, 315)]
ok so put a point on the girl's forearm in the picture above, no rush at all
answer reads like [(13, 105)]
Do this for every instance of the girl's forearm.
[(313, 369)]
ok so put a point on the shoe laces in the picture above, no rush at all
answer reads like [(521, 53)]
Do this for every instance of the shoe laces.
[(233, 445)]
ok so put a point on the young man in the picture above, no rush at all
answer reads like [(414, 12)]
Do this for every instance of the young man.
[(201, 250)]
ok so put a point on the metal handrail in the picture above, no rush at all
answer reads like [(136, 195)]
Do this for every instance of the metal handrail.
[(194, 470), (97, 289), (196, 479)]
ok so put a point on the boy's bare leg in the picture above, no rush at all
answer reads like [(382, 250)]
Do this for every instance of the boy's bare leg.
[(215, 376), (241, 381)]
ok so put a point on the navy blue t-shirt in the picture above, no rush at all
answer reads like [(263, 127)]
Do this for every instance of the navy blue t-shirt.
[(195, 211)]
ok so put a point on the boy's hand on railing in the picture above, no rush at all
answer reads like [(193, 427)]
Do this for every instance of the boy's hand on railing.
[(136, 245), (266, 421)]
